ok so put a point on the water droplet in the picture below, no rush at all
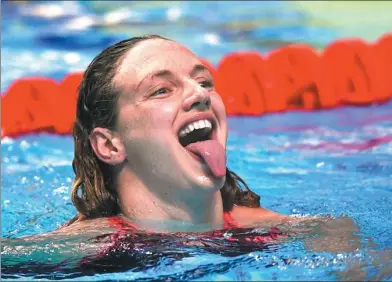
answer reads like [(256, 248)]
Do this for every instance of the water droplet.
[(203, 178)]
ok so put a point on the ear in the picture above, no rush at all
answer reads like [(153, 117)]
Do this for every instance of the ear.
[(107, 145)]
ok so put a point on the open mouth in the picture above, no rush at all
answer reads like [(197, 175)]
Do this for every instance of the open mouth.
[(199, 138), (196, 131)]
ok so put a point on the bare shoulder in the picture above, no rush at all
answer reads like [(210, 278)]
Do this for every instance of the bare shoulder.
[(250, 216), (91, 227), (260, 216)]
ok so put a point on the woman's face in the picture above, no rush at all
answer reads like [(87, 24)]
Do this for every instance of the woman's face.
[(166, 93)]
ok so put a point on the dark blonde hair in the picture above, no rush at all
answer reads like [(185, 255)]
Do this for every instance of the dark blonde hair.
[(93, 192)]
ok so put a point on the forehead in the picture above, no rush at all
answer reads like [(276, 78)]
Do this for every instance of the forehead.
[(153, 55)]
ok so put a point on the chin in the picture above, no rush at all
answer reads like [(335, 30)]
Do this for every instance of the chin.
[(209, 183)]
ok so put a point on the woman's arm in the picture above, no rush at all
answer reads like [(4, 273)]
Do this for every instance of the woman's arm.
[(331, 235), (52, 247), (249, 217)]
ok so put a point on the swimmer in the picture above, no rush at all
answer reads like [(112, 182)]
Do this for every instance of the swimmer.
[(150, 143)]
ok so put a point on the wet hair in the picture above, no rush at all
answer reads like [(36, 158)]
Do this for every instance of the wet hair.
[(93, 190)]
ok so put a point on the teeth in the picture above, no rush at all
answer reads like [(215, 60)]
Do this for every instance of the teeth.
[(195, 125)]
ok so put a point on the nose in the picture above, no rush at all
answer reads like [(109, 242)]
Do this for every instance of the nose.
[(199, 99)]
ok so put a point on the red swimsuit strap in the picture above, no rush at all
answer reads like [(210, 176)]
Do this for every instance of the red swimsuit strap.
[(229, 221), (120, 223)]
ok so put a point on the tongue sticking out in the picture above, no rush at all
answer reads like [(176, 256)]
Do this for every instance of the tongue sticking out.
[(212, 153)]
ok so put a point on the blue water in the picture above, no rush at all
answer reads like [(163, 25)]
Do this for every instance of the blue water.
[(323, 178), (336, 162)]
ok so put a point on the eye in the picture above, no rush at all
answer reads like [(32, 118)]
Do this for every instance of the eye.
[(206, 83), (160, 91)]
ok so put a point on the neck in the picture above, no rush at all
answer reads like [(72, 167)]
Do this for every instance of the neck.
[(202, 211)]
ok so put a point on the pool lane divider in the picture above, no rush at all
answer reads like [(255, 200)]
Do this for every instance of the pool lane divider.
[(294, 77)]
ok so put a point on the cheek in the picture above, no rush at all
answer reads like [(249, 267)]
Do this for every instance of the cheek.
[(219, 108), (149, 140), (220, 112), (168, 110), (220, 105), (144, 122), (160, 117)]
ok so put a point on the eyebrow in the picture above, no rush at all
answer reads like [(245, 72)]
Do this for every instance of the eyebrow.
[(197, 69), (166, 73)]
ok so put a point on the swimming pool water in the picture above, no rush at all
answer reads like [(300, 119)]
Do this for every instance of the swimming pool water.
[(336, 162)]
